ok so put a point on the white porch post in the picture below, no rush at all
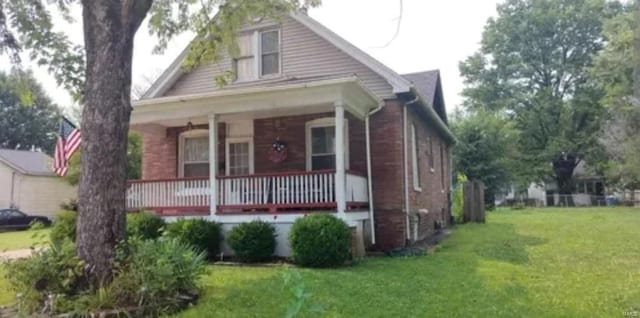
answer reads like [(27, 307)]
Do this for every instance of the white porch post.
[(213, 164), (340, 165)]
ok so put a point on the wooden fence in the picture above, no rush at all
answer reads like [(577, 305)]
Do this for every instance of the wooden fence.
[(473, 205)]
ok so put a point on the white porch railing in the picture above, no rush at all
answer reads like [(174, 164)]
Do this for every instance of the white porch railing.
[(258, 191), (168, 193)]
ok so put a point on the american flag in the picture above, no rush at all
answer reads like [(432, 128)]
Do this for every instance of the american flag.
[(68, 143)]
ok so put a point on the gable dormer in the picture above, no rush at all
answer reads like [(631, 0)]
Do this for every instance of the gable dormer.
[(294, 47)]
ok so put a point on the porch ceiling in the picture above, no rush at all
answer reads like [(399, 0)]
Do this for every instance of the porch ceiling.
[(262, 101)]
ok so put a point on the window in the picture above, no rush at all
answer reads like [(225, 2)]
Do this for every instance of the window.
[(432, 164), (259, 51), (239, 156), (321, 144), (244, 63), (269, 52), (442, 167), (194, 154), (415, 159)]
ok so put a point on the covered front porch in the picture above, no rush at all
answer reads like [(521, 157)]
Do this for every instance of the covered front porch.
[(275, 150)]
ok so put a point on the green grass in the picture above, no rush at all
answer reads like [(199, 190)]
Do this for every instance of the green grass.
[(17, 240), (528, 263)]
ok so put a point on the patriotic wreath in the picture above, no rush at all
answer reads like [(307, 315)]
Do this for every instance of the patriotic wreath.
[(278, 151)]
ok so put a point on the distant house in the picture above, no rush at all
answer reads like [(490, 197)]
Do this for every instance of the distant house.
[(589, 189), (27, 182), (311, 124)]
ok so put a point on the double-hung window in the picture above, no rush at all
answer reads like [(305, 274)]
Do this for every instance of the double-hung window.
[(321, 144), (239, 156), (269, 52), (195, 155), (258, 55), (415, 159)]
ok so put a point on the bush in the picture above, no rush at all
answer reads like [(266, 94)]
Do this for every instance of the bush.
[(64, 227), (320, 240), (160, 276), (201, 234), (55, 270), (253, 242), (144, 225)]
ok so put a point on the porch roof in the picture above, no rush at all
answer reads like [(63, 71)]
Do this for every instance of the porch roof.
[(273, 96)]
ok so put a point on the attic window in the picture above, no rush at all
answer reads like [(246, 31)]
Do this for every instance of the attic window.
[(269, 52), (259, 55)]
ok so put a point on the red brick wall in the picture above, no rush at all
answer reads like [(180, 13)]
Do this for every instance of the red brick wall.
[(387, 173), (292, 130), (434, 195), (160, 149)]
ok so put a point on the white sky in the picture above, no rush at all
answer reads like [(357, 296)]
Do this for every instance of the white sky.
[(434, 34)]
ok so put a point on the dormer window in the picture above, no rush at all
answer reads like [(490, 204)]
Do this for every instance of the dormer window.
[(263, 44)]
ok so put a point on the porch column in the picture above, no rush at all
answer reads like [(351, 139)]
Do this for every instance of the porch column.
[(213, 164), (340, 170)]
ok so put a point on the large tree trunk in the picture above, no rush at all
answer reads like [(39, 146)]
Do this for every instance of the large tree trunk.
[(109, 29), (563, 168)]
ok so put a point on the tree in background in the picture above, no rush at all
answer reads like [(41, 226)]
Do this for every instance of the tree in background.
[(28, 118), (533, 68), (613, 71), (485, 150), (99, 75)]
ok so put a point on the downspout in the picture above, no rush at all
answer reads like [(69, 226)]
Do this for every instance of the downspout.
[(406, 166), (370, 180)]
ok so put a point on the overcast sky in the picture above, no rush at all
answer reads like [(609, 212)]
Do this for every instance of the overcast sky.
[(434, 34)]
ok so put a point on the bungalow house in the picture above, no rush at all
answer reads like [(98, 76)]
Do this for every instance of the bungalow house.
[(27, 182), (311, 124)]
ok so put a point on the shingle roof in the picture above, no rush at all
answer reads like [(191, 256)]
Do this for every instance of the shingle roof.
[(27, 162), (425, 83)]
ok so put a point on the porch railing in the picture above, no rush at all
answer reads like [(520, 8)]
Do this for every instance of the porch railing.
[(269, 191)]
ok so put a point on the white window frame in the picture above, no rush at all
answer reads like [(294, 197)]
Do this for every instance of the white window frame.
[(196, 133), (235, 140), (414, 160), (325, 122), (259, 51), (256, 41)]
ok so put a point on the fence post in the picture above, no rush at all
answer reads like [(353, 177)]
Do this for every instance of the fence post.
[(473, 203)]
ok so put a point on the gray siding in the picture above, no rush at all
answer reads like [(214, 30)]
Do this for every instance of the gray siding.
[(304, 54)]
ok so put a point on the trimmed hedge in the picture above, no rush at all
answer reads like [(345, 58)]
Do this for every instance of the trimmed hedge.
[(201, 234), (320, 240), (64, 227), (253, 242), (144, 225)]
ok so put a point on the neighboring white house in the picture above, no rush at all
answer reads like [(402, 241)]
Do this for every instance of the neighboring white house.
[(27, 182), (589, 190)]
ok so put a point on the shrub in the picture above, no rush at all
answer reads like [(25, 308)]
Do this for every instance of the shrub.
[(144, 225), (64, 227), (154, 272), (253, 242), (160, 276), (458, 198), (320, 240), (201, 234), (55, 270)]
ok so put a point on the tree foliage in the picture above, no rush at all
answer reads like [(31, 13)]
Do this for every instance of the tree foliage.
[(28, 118), (485, 150), (613, 71), (533, 67)]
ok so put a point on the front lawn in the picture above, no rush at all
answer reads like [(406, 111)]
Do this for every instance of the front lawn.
[(533, 263), (18, 240), (529, 263)]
